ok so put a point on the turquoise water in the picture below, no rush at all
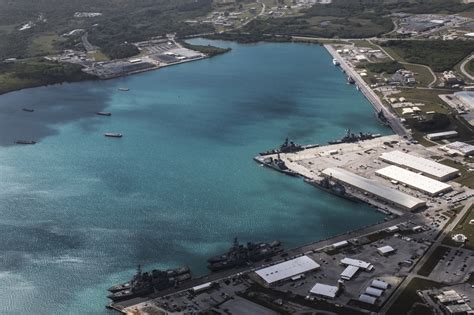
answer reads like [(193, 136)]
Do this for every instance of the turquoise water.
[(79, 211)]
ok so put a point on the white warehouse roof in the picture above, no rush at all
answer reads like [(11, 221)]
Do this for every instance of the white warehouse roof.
[(357, 263), (349, 272), (384, 250), (414, 180), (395, 196), (340, 244), (287, 269), (373, 291), (379, 284), (367, 299), (324, 290), (427, 167)]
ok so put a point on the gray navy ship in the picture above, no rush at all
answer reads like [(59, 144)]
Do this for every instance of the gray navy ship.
[(352, 137), (289, 147), (240, 255), (275, 163), (144, 283), (332, 187)]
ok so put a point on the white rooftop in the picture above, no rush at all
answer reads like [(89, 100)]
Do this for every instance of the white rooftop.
[(355, 262), (324, 290), (379, 284), (420, 182), (385, 249), (287, 269), (349, 272), (423, 165), (367, 299), (373, 291), (373, 187)]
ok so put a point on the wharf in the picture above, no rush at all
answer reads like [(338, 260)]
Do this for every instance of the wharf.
[(123, 306), (373, 98)]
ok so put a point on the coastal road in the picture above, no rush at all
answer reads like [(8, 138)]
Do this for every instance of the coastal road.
[(423, 260), (373, 98), (87, 45), (463, 68)]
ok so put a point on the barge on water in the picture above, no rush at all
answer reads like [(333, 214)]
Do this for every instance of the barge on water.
[(113, 135), (104, 113), (25, 142)]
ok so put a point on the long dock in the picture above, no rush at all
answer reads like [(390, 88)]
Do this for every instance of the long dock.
[(373, 98)]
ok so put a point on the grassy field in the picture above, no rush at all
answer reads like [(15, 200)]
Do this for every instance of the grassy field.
[(429, 97), (465, 228), (409, 297), (43, 45), (422, 75)]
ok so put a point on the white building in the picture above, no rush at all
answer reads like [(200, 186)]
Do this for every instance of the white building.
[(442, 135), (422, 183), (388, 194), (379, 284), (385, 250), (357, 263), (287, 269), (427, 167), (349, 272), (325, 290), (373, 292), (458, 148), (367, 299)]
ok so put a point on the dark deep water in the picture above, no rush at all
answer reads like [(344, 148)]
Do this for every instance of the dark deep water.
[(79, 211)]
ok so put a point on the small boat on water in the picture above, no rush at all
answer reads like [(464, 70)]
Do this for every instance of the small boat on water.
[(29, 110), (104, 113), (25, 142), (336, 62), (113, 135), (124, 89)]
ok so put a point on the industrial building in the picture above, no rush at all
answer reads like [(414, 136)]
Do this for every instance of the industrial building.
[(379, 284), (287, 269), (357, 263), (458, 148), (367, 299), (374, 292), (442, 135), (427, 167), (324, 290), (388, 194), (386, 250), (349, 272), (419, 182)]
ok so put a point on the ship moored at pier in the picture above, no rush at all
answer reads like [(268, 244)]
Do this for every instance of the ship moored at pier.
[(289, 147), (352, 137)]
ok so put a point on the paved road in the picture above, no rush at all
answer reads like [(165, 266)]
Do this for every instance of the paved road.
[(427, 255), (463, 68), (87, 45)]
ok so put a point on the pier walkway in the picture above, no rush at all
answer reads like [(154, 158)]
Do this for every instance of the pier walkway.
[(373, 98)]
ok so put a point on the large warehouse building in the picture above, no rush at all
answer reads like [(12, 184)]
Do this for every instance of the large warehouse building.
[(287, 269), (388, 194), (422, 183), (427, 167)]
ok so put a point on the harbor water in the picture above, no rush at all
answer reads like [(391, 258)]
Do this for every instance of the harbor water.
[(79, 211)]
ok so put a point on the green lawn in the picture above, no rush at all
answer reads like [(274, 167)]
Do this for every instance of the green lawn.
[(466, 178), (422, 75)]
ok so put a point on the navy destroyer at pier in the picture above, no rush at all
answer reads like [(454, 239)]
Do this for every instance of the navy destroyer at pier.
[(241, 255), (275, 163), (352, 137), (289, 147), (144, 283), (332, 187)]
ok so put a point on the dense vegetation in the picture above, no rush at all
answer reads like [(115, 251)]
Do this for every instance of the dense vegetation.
[(121, 21), (389, 67), (246, 38), (351, 19), (208, 50), (439, 55), (436, 122), (37, 72), (118, 51)]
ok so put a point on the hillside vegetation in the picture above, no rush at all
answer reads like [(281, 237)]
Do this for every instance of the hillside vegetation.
[(439, 55)]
